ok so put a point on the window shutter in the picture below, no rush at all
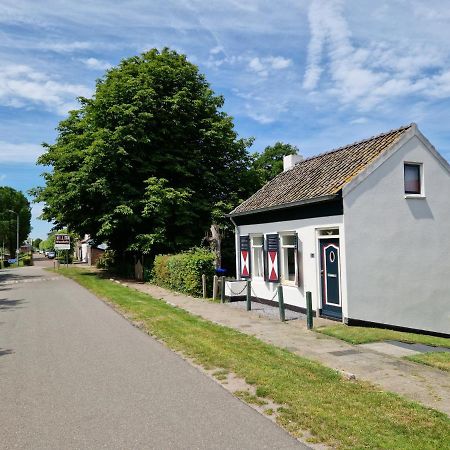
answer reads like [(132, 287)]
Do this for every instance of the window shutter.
[(244, 252), (265, 258), (273, 258), (298, 275)]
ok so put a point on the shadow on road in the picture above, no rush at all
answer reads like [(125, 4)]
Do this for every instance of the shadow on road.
[(6, 351), (6, 305), (8, 276)]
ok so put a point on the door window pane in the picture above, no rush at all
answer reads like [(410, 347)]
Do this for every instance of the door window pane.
[(412, 179)]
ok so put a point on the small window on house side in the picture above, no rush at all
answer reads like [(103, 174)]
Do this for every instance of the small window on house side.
[(413, 183), (288, 249), (257, 256)]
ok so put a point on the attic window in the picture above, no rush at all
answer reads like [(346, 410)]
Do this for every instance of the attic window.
[(413, 184)]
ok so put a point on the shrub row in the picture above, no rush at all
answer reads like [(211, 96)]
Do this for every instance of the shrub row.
[(27, 261), (183, 272)]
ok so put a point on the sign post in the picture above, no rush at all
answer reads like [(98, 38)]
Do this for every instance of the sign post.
[(62, 242)]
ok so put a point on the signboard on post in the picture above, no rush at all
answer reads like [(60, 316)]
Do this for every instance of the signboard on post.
[(62, 242)]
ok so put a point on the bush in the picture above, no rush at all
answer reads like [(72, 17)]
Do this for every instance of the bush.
[(27, 261), (6, 263), (106, 260), (63, 257), (183, 272)]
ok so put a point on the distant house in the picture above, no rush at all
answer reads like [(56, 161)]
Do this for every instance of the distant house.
[(86, 251), (364, 228)]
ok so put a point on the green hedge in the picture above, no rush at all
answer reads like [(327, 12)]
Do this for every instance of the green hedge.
[(183, 272), (27, 261)]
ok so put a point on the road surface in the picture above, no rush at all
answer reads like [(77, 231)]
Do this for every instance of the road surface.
[(76, 375)]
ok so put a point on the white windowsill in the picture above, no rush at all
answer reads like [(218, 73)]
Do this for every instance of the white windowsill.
[(288, 283), (415, 196)]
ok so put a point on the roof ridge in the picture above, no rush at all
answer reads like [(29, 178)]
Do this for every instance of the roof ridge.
[(362, 141)]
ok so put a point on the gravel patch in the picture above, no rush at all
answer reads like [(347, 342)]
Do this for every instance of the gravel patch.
[(271, 312)]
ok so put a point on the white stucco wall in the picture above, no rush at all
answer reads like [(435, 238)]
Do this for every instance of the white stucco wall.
[(84, 252), (397, 248), (307, 230)]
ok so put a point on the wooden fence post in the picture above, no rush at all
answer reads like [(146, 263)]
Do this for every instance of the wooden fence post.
[(281, 303), (249, 295), (309, 312), (215, 286)]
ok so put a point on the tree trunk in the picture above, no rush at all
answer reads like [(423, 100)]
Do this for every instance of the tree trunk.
[(216, 244)]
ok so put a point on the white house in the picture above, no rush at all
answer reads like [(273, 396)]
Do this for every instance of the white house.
[(365, 228)]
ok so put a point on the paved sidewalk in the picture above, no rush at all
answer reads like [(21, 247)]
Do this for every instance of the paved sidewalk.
[(426, 385)]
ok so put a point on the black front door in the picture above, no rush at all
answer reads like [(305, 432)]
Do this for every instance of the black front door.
[(330, 278)]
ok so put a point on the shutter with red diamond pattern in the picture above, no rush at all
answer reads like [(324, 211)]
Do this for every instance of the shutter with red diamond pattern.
[(244, 252), (273, 252)]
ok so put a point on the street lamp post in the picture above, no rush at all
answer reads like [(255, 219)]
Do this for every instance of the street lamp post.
[(17, 235)]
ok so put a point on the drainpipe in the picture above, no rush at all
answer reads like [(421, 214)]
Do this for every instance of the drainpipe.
[(236, 246)]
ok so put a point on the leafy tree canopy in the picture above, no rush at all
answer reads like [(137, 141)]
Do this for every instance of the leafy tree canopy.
[(36, 243), (269, 163), (12, 200), (142, 164)]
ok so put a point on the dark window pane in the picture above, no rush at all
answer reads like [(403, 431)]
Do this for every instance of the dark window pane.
[(412, 179), (291, 264)]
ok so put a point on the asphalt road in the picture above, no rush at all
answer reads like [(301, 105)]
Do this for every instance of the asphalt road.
[(76, 375)]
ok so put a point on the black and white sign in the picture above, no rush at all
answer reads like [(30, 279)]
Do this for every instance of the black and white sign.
[(62, 242)]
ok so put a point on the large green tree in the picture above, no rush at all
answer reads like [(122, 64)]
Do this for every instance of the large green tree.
[(143, 163), (269, 163), (13, 202)]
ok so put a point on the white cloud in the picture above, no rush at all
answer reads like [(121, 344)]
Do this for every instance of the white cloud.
[(215, 50), (262, 66), (256, 65), (22, 86), (96, 64), (64, 47), (359, 121), (279, 63), (19, 153), (2, 177), (367, 75)]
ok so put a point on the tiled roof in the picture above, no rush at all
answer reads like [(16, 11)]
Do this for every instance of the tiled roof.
[(321, 175)]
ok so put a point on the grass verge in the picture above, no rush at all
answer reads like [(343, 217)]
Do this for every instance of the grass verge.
[(365, 335), (440, 360), (341, 413)]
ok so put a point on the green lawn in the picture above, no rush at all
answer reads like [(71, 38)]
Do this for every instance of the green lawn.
[(344, 414), (364, 335), (441, 360)]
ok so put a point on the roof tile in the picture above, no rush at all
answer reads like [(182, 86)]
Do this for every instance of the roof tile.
[(321, 175)]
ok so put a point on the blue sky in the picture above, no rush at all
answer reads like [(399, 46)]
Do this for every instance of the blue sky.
[(317, 74)]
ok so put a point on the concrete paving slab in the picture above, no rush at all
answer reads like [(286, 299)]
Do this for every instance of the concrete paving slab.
[(419, 347), (389, 349)]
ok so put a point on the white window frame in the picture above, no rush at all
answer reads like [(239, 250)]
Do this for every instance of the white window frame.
[(283, 264), (253, 247), (421, 176)]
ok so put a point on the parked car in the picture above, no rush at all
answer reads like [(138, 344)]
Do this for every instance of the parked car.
[(51, 255)]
